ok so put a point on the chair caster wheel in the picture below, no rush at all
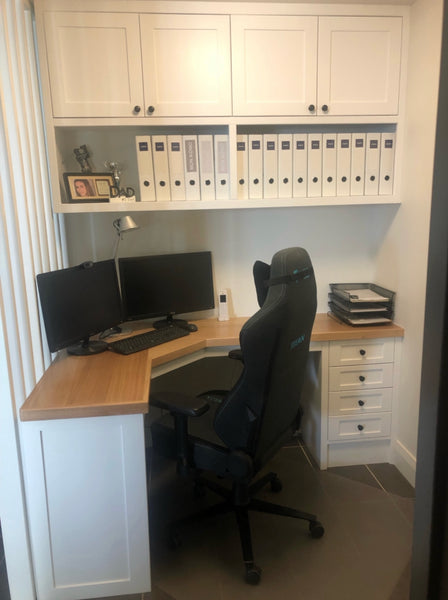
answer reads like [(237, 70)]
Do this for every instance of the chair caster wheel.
[(316, 530), (253, 575), (276, 485)]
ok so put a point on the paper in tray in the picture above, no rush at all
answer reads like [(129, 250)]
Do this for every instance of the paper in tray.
[(358, 320), (362, 292)]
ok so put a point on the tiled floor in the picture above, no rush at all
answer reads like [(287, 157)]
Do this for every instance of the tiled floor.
[(367, 513)]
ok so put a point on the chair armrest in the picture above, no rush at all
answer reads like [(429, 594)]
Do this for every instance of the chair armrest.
[(179, 404), (236, 354)]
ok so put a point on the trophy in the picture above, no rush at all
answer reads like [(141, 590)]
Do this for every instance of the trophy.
[(82, 156)]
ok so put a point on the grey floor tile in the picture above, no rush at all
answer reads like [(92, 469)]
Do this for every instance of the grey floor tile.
[(392, 480)]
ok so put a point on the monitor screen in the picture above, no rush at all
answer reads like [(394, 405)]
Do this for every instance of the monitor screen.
[(166, 284), (79, 302)]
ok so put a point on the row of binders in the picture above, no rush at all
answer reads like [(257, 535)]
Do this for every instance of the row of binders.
[(270, 165), (183, 167), (301, 165)]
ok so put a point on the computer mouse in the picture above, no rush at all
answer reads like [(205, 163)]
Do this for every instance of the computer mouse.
[(192, 327)]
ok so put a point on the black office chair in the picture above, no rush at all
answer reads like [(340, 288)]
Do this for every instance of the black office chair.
[(237, 437)]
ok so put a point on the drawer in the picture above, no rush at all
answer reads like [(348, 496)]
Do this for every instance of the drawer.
[(359, 427), (356, 352), (360, 402), (360, 377)]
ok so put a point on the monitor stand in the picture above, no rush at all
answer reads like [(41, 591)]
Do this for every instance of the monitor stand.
[(87, 347), (169, 322)]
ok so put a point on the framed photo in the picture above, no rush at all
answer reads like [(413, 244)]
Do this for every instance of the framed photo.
[(88, 187)]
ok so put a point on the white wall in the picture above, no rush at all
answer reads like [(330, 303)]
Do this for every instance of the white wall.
[(402, 259), (343, 241)]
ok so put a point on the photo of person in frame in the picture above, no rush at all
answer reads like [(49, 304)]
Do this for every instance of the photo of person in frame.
[(83, 188)]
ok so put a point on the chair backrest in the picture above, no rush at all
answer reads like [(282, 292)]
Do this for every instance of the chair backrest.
[(263, 405)]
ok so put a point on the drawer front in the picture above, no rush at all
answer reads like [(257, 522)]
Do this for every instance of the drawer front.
[(360, 377), (360, 402), (359, 427), (356, 352)]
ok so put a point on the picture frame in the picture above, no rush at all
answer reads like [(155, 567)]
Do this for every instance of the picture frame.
[(88, 187)]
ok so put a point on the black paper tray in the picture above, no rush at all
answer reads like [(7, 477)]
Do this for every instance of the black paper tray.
[(353, 292)]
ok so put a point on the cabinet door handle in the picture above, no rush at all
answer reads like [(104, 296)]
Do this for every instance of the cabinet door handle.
[(360, 427), (137, 109), (362, 352), (324, 107), (362, 378), (311, 108), (151, 109), (361, 402)]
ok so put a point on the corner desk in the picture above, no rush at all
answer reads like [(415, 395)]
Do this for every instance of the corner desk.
[(84, 448)]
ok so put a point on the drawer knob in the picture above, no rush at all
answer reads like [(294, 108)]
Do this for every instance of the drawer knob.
[(137, 109), (311, 108), (360, 427), (151, 109), (362, 352), (362, 378), (324, 108), (361, 402)]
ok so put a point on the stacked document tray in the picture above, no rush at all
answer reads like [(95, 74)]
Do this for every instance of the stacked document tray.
[(360, 304)]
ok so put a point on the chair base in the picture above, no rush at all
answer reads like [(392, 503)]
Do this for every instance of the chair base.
[(240, 500)]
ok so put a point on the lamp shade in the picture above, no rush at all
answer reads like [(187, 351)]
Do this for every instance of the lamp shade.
[(124, 224)]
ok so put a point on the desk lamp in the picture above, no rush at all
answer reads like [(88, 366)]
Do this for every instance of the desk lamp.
[(122, 225)]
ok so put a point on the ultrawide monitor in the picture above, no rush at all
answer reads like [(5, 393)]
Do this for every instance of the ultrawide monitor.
[(79, 302), (165, 285)]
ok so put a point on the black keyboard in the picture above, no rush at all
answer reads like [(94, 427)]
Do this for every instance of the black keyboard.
[(149, 339)]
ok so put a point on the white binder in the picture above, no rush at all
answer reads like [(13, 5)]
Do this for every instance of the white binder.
[(242, 166), (270, 165), (255, 166), (314, 164), (387, 160), (373, 144), (300, 165), (206, 166), (161, 169), (358, 164), (145, 168), (176, 167), (191, 163), (329, 164), (222, 173), (285, 165), (343, 163)]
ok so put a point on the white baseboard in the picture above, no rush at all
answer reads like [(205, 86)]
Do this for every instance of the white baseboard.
[(405, 461)]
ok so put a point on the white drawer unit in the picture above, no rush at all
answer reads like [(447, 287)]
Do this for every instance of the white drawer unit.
[(359, 427), (360, 399)]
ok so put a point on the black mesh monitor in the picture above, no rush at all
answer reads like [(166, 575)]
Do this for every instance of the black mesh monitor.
[(165, 285), (77, 303)]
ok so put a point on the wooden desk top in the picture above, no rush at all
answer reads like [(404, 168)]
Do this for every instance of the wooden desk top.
[(111, 384)]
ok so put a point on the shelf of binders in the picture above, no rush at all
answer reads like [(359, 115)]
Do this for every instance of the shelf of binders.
[(241, 166)]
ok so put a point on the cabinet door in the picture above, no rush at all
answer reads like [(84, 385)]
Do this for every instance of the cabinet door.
[(186, 65), (274, 65), (94, 64), (359, 65)]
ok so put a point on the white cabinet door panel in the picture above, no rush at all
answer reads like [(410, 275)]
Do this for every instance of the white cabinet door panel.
[(359, 427), (273, 64), (361, 352), (94, 64), (360, 377), (359, 65), (186, 64)]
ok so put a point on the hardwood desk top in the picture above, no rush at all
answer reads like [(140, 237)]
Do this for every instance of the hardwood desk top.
[(111, 384)]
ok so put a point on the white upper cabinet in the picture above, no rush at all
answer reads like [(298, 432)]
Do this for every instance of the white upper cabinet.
[(186, 65), (359, 65), (274, 64), (315, 65), (94, 64)]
